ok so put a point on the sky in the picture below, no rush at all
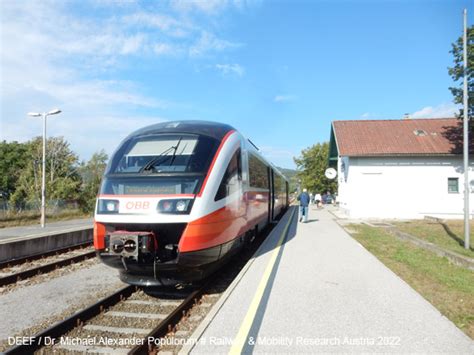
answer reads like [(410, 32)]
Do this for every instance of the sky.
[(278, 71)]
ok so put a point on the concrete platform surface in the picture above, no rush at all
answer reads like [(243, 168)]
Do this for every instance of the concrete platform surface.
[(49, 229), (326, 294)]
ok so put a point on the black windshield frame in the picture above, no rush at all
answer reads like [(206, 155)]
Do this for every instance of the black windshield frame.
[(198, 163)]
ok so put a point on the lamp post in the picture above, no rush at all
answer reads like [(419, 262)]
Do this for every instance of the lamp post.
[(467, 243), (43, 178)]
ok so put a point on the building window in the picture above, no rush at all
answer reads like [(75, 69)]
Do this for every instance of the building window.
[(453, 185)]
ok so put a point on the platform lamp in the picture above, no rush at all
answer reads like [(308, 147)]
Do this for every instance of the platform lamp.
[(43, 178)]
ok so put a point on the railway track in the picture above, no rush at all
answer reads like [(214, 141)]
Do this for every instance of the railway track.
[(137, 321), (129, 316), (20, 269), (26, 259), (132, 321)]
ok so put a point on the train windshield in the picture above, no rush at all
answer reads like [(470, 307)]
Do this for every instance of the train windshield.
[(164, 154), (159, 164)]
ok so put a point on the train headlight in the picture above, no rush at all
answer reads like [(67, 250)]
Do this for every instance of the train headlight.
[(178, 206), (181, 205), (108, 206)]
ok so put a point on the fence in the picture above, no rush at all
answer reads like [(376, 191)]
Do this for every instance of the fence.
[(52, 206)]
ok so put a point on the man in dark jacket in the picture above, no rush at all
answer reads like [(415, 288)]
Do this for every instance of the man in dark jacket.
[(304, 202)]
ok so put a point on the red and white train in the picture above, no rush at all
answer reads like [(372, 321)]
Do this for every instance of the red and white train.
[(179, 198)]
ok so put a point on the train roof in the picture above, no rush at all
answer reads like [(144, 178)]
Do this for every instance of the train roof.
[(211, 129), (215, 130)]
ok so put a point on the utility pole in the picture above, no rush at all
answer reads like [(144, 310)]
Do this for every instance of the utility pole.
[(466, 142)]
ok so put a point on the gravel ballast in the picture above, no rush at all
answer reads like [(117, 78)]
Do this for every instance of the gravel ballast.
[(29, 306)]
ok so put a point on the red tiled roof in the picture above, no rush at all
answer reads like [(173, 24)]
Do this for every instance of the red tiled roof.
[(397, 137)]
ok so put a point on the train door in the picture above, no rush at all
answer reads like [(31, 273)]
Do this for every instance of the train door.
[(270, 194)]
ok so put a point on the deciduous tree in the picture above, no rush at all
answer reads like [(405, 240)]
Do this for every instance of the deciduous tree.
[(12, 162), (457, 71), (311, 166), (92, 173), (62, 178)]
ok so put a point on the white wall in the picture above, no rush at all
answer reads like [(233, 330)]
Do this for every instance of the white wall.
[(402, 187)]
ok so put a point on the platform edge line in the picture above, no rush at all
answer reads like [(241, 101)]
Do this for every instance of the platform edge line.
[(219, 304), (239, 340)]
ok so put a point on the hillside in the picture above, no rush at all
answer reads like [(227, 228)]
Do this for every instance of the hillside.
[(291, 175)]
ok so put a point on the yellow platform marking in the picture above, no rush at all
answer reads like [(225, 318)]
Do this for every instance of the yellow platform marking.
[(239, 341)]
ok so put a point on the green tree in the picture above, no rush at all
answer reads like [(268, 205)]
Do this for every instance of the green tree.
[(311, 166), (12, 162), (457, 71), (92, 173), (292, 177), (455, 134), (62, 178)]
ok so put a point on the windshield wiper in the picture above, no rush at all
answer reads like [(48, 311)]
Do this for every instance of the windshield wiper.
[(175, 150), (157, 161)]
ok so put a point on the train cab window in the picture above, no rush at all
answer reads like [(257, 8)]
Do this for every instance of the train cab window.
[(231, 180), (164, 153)]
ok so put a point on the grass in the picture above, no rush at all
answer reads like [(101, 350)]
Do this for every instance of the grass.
[(448, 287), (448, 235), (28, 218)]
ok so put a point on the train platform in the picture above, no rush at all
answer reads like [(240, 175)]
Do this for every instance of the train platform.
[(25, 241), (35, 230), (311, 288)]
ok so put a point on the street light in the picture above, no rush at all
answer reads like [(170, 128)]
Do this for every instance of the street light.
[(43, 178)]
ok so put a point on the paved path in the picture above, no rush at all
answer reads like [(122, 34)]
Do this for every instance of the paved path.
[(50, 228), (329, 294)]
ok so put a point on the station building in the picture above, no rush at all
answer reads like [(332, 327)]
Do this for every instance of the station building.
[(403, 169)]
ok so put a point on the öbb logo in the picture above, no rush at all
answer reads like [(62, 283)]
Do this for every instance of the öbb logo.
[(137, 205)]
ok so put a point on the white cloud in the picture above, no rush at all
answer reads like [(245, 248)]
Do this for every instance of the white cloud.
[(68, 62), (171, 26), (208, 42), (166, 48), (210, 7), (284, 98), (441, 111), (101, 41), (227, 69)]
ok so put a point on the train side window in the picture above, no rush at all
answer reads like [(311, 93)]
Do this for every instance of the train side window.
[(231, 178), (258, 173)]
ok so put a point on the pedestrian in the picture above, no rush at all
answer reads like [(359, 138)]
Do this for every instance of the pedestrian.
[(304, 202), (328, 197), (317, 199), (311, 198)]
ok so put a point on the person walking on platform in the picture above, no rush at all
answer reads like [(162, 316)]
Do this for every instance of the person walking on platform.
[(304, 202), (317, 199)]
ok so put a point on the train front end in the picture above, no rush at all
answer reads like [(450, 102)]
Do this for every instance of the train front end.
[(146, 201)]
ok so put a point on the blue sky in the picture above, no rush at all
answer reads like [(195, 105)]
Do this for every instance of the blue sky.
[(278, 71)]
